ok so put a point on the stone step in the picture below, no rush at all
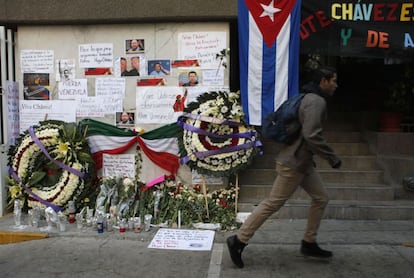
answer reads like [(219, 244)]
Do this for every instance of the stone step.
[(356, 190), (354, 162), (353, 148), (335, 125), (360, 162), (352, 176), (367, 192), (267, 176), (344, 210), (350, 148), (343, 137)]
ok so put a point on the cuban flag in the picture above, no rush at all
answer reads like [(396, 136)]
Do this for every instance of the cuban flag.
[(269, 55)]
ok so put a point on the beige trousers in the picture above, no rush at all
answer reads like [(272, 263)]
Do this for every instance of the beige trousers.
[(283, 187)]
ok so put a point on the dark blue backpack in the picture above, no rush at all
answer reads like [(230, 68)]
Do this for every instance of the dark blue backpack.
[(283, 125)]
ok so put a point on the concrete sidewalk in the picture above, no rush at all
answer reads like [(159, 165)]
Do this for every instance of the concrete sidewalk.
[(361, 249)]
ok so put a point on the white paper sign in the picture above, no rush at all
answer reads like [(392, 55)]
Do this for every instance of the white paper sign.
[(98, 106), (180, 239), (34, 111), (73, 88), (89, 107), (213, 77), (36, 61), (198, 178), (96, 55), (12, 92), (155, 104), (119, 165), (110, 87), (202, 46)]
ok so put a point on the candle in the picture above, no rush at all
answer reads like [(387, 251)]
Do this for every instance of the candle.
[(179, 219)]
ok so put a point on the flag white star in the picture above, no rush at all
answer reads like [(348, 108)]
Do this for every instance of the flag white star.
[(269, 10)]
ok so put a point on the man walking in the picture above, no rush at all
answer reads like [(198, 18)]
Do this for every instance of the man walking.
[(295, 167)]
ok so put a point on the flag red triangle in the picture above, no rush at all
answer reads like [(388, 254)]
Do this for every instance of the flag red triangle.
[(270, 29)]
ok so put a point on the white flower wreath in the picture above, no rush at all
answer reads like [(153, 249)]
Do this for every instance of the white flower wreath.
[(50, 165), (215, 140)]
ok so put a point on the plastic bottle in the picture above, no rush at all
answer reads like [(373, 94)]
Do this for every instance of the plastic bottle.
[(72, 212), (17, 212), (100, 223)]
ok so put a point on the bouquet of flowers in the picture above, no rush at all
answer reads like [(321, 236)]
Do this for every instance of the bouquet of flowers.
[(120, 193), (171, 202)]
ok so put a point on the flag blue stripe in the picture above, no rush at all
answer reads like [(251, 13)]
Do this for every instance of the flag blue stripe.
[(243, 21), (294, 50), (268, 79)]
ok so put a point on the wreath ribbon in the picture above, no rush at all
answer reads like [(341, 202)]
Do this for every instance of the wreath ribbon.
[(57, 162), (191, 128), (204, 154), (34, 195)]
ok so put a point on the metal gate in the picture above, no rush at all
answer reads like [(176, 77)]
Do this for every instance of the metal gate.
[(7, 74)]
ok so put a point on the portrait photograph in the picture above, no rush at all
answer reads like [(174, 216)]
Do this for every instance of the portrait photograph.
[(125, 119), (189, 78), (159, 67), (134, 46)]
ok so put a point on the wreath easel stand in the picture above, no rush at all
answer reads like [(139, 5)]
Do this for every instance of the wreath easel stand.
[(236, 198), (205, 196)]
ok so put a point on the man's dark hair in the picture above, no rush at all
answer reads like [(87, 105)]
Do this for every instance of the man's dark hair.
[(192, 72), (323, 72)]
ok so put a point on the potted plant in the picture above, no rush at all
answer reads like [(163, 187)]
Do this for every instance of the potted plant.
[(397, 102)]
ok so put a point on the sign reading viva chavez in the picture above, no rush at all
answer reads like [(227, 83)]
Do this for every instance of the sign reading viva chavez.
[(358, 28)]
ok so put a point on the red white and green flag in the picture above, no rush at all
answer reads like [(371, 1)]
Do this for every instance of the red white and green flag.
[(159, 145)]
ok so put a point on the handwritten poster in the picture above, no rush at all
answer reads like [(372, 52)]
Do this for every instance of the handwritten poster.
[(34, 111), (197, 178), (98, 106), (89, 107), (201, 46), (155, 104), (73, 88), (110, 87), (96, 55), (213, 77), (181, 239), (36, 61), (12, 92), (119, 165)]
